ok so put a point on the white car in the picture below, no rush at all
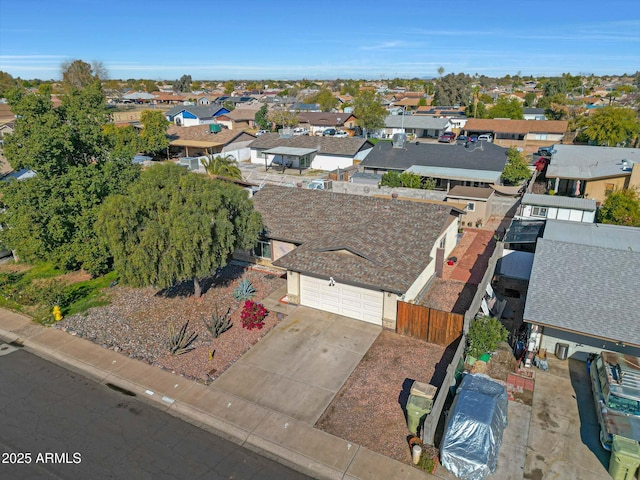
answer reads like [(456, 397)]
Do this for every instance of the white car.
[(261, 132), (485, 137), (301, 131), (341, 134)]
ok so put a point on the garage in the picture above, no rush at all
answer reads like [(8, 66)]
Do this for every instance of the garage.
[(347, 300)]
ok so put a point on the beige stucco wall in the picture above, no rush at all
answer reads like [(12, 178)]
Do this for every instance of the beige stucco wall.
[(595, 189), (293, 287), (280, 249), (389, 310), (634, 181)]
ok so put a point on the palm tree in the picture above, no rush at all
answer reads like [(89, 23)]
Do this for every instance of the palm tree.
[(222, 166), (476, 94)]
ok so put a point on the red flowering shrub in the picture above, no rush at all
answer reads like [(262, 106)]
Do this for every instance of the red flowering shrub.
[(253, 315)]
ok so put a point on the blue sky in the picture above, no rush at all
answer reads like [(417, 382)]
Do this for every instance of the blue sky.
[(320, 39)]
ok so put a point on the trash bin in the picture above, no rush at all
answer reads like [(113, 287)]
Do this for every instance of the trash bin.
[(562, 349), (625, 458), (417, 408)]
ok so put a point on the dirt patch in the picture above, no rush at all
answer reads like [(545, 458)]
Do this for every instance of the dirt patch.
[(136, 322), (370, 408), (12, 267)]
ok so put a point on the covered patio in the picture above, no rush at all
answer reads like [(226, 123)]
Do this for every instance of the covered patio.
[(288, 157)]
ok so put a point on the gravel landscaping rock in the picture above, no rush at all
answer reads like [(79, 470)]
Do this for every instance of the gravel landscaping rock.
[(136, 322)]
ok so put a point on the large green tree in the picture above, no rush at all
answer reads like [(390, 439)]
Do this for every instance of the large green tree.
[(153, 138), (612, 126), (174, 225), (326, 100), (51, 216), (621, 207), (262, 118), (223, 166), (506, 108), (516, 169), (7, 82), (368, 109)]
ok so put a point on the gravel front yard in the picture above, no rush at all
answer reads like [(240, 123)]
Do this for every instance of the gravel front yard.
[(369, 409), (137, 321)]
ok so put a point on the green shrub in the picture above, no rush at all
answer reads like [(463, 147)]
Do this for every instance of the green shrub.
[(485, 333)]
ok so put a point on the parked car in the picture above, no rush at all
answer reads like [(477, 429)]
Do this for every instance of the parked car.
[(486, 137), (261, 132), (615, 384), (341, 134), (447, 137), (545, 151), (329, 132), (462, 139), (300, 131), (317, 184)]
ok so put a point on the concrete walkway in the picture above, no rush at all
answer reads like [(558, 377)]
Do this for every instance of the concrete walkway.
[(271, 418)]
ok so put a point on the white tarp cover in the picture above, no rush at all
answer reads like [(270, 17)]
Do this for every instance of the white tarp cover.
[(474, 429)]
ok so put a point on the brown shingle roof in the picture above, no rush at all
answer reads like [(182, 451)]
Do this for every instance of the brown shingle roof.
[(378, 243), (516, 126), (347, 146), (478, 193), (201, 133), (326, 119)]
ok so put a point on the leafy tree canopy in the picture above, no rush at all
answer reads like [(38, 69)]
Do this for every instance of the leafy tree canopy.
[(325, 99), (174, 225), (262, 118), (7, 82), (516, 169), (153, 138), (222, 165), (183, 85), (368, 110), (612, 126), (453, 89), (229, 87), (283, 118), (506, 108), (621, 207), (77, 74)]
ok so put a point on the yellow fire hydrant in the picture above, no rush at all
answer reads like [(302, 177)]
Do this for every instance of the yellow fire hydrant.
[(57, 314)]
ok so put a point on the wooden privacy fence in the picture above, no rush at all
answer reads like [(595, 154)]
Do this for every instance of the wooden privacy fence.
[(431, 325)]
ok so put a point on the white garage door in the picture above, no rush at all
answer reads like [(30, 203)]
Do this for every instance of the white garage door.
[(354, 302)]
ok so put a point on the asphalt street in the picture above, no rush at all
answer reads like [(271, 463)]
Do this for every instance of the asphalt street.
[(59, 425)]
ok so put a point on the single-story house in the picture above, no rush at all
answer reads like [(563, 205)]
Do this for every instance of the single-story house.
[(556, 207), (200, 140), (419, 126), (471, 165), (526, 134), (239, 119), (583, 290), (592, 172), (318, 122), (534, 114), (478, 202), (352, 255), (190, 115), (302, 151)]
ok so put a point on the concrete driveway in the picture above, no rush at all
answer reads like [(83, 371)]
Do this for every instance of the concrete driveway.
[(298, 367)]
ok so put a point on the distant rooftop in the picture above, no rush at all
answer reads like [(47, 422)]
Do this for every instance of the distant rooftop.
[(583, 162), (594, 234), (524, 231)]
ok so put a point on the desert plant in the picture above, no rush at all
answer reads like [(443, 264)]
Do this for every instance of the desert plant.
[(253, 315), (244, 290), (428, 462), (219, 323), (485, 333), (180, 343)]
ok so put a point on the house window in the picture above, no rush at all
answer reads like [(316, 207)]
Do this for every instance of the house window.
[(608, 188), (471, 206), (443, 242), (305, 161), (541, 136), (262, 249), (539, 212)]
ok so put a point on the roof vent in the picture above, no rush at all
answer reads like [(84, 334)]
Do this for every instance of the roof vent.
[(625, 166)]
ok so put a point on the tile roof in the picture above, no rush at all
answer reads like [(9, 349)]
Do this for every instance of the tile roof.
[(347, 146), (585, 289), (487, 156), (516, 126), (378, 243)]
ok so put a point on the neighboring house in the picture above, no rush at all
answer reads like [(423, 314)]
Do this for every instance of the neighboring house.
[(318, 122), (555, 207), (477, 203), (455, 115), (320, 153), (248, 100), (22, 174), (534, 114), (592, 172), (420, 126), (473, 165), (139, 97), (168, 98), (7, 128), (190, 115), (526, 134), (352, 255), (200, 140), (239, 119), (305, 107), (583, 290)]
